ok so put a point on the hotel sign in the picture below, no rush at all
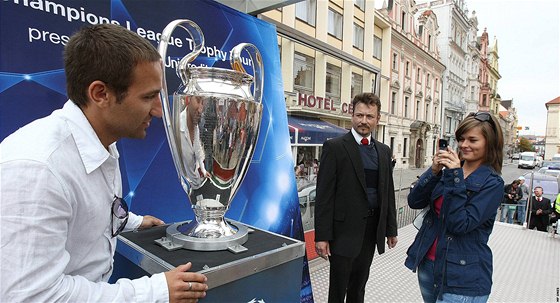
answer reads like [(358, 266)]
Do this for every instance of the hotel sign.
[(323, 103)]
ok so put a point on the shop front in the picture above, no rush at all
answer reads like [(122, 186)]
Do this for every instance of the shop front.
[(307, 135)]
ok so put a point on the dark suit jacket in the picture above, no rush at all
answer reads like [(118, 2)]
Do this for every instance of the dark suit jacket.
[(341, 202), (546, 208)]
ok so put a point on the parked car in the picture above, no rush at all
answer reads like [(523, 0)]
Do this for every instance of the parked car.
[(540, 161), (306, 197), (556, 157), (549, 184), (515, 156), (552, 171), (551, 164)]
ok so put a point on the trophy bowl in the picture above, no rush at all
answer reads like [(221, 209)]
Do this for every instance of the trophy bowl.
[(212, 123)]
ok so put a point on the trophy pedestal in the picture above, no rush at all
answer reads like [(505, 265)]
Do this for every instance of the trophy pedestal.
[(180, 236), (271, 260)]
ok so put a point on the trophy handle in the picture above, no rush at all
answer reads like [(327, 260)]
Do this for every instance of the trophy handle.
[(198, 40), (258, 70), (182, 71)]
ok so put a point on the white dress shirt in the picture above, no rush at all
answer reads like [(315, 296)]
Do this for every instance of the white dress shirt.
[(57, 184), (359, 137), (192, 152)]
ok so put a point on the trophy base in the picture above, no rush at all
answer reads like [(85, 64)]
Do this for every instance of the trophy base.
[(176, 239)]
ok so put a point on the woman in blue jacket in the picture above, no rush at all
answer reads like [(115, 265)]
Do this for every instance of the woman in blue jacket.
[(450, 252)]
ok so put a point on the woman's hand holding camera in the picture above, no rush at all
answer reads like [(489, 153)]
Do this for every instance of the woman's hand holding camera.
[(447, 158)]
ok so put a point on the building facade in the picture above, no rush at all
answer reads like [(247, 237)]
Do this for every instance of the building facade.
[(330, 51), (414, 111), (552, 139), (453, 44), (473, 62)]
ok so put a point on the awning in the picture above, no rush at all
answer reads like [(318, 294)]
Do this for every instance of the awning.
[(312, 131)]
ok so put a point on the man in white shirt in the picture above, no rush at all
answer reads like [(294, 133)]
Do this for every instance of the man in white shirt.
[(60, 181), (191, 146)]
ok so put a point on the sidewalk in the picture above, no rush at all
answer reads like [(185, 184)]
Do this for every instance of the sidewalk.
[(526, 269)]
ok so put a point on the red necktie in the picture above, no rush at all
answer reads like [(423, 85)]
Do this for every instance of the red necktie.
[(365, 141)]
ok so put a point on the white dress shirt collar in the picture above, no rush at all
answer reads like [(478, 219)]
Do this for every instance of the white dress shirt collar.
[(359, 137), (91, 150)]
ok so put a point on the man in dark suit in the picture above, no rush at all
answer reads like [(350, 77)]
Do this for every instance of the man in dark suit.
[(540, 210), (355, 208)]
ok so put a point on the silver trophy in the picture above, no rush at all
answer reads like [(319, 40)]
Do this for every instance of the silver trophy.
[(212, 124)]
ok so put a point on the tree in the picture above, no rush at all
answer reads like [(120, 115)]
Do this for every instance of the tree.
[(525, 145)]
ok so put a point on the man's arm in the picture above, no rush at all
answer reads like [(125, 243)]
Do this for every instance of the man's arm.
[(35, 221), (326, 193)]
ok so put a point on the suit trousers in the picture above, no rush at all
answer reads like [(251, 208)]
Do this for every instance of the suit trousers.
[(348, 276)]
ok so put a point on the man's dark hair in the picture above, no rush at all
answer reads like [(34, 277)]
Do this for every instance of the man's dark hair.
[(107, 53), (367, 99)]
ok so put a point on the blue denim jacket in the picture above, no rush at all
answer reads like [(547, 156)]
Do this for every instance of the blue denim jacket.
[(463, 262)]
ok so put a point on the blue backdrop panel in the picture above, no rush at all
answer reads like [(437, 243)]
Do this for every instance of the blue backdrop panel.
[(32, 85)]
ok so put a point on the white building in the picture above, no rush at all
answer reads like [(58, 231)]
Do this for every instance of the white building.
[(552, 141), (454, 26)]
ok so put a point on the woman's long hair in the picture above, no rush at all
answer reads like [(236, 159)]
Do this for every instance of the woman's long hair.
[(491, 131)]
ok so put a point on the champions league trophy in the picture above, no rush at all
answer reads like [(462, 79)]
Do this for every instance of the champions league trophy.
[(212, 124)]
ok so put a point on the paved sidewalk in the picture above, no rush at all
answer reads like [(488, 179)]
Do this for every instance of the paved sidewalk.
[(526, 269)]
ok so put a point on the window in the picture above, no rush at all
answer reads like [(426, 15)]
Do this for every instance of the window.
[(436, 85), (448, 125), (435, 114), (393, 102), (305, 11), (377, 47), (356, 85), (428, 80), (392, 144), (407, 69), (395, 61), (417, 109), (418, 75), (429, 42), (404, 147), (332, 83), (360, 3), (304, 70), (335, 24), (405, 106), (358, 37), (472, 92), (484, 102), (427, 110), (403, 19)]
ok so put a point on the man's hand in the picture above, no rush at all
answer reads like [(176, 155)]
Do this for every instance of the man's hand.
[(323, 250), (150, 221), (185, 286), (392, 242)]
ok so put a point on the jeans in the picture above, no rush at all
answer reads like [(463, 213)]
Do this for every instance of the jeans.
[(521, 208), (429, 292), (507, 211), (426, 280), (453, 298)]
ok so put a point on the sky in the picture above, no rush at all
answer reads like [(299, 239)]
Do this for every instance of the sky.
[(528, 33)]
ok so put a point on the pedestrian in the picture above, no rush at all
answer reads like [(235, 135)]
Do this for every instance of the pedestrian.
[(512, 194), (355, 204), (463, 190), (522, 203), (61, 184), (540, 210)]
